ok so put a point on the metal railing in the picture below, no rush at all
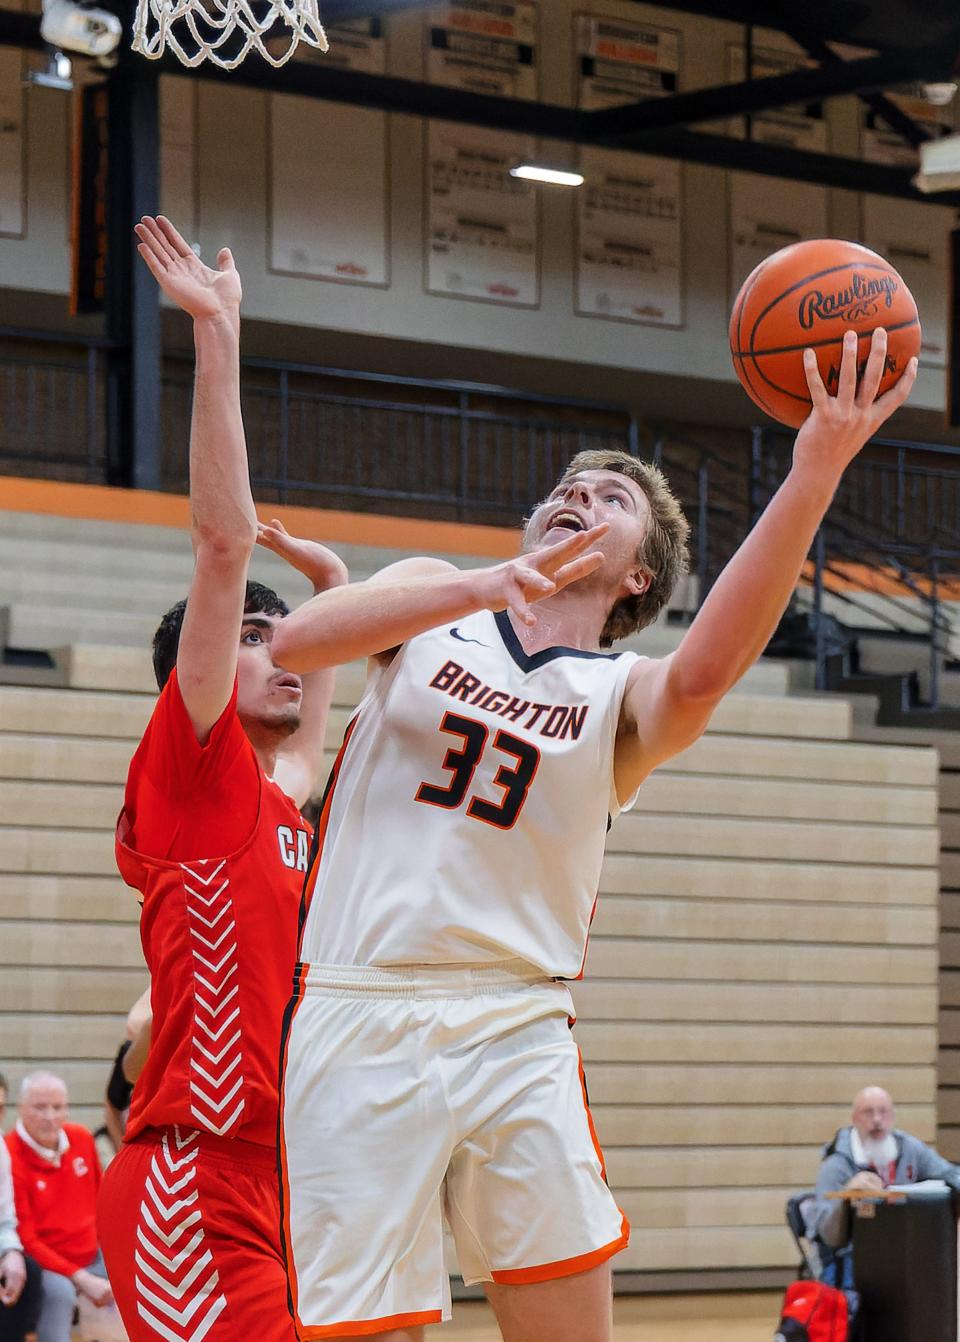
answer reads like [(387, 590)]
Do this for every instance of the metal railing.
[(882, 562), (53, 406), (889, 547), (317, 436), (334, 438)]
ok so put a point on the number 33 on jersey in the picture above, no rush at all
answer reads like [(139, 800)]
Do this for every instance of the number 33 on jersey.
[(466, 816)]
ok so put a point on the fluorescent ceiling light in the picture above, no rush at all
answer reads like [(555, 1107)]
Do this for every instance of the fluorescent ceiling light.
[(531, 172)]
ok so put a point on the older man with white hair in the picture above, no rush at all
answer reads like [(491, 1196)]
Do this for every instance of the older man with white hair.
[(868, 1155), (56, 1176)]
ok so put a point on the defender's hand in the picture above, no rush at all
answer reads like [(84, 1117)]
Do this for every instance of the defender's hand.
[(838, 426), (531, 577), (200, 291), (313, 560)]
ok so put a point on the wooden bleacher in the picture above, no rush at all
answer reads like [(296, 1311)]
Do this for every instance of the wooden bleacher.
[(766, 942)]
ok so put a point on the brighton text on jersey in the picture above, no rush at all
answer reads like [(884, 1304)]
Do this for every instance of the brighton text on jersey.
[(553, 720)]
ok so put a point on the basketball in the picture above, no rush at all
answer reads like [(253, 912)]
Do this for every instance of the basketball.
[(809, 295)]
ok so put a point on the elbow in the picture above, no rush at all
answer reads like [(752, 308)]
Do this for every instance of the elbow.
[(697, 687), (225, 546), (293, 652)]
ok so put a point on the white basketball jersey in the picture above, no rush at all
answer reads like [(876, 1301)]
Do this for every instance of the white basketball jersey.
[(465, 819)]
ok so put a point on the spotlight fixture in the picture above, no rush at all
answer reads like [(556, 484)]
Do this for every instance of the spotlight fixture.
[(69, 25), (535, 172), (57, 73)]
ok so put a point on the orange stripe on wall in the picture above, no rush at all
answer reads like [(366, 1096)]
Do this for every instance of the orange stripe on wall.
[(102, 503)]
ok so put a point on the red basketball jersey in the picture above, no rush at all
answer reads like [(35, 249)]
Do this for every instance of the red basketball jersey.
[(218, 852)]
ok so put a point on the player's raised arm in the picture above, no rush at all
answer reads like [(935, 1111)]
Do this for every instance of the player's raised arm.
[(668, 703), (367, 619), (224, 522), (299, 758)]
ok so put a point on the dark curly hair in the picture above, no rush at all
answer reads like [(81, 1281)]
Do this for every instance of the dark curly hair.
[(664, 552), (166, 641)]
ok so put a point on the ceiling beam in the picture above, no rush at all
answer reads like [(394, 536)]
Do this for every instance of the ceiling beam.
[(342, 11), (775, 160), (759, 95), (835, 19), (18, 29), (800, 30), (548, 121)]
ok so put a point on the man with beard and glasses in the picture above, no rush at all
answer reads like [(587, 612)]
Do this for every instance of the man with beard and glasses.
[(867, 1156), (212, 837)]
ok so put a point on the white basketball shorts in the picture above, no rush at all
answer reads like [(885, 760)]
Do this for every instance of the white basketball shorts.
[(413, 1094)]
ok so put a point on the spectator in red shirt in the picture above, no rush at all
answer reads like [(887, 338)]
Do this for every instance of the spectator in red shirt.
[(56, 1176)]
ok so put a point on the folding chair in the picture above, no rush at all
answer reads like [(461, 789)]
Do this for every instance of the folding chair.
[(810, 1265)]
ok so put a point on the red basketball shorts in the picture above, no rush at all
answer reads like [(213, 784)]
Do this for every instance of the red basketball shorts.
[(189, 1225)]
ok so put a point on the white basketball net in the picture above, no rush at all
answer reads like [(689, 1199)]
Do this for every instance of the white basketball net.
[(196, 30)]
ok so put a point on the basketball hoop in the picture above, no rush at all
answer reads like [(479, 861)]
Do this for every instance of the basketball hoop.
[(225, 31)]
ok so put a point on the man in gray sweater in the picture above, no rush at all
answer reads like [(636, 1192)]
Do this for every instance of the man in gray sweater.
[(868, 1156), (19, 1277)]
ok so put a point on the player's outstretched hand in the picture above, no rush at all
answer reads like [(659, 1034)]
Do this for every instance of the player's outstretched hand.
[(838, 426), (313, 560), (200, 291), (516, 585)]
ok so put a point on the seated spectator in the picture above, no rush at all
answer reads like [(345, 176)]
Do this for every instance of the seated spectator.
[(19, 1277), (867, 1156), (56, 1176)]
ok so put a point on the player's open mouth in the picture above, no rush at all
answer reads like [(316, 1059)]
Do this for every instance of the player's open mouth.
[(289, 683), (567, 520)]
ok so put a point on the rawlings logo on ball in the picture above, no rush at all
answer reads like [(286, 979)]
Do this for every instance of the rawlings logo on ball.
[(862, 297)]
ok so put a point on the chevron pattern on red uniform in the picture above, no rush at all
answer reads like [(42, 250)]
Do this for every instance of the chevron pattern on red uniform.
[(176, 1282), (216, 1081)]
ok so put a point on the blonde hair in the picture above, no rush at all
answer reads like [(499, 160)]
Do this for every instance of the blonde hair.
[(663, 553)]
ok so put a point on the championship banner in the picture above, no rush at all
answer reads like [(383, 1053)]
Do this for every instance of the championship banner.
[(88, 202), (879, 143), (13, 117), (178, 153), (915, 238), (798, 127), (341, 232), (484, 46), (623, 62), (767, 214), (629, 246), (355, 44), (482, 224)]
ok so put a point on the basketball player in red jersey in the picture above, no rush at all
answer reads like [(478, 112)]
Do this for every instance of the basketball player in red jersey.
[(212, 836), (429, 1064)]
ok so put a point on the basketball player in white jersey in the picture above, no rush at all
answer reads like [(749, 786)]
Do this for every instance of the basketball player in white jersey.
[(429, 1067)]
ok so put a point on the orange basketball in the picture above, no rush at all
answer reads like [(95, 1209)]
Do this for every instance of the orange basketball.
[(809, 294)]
